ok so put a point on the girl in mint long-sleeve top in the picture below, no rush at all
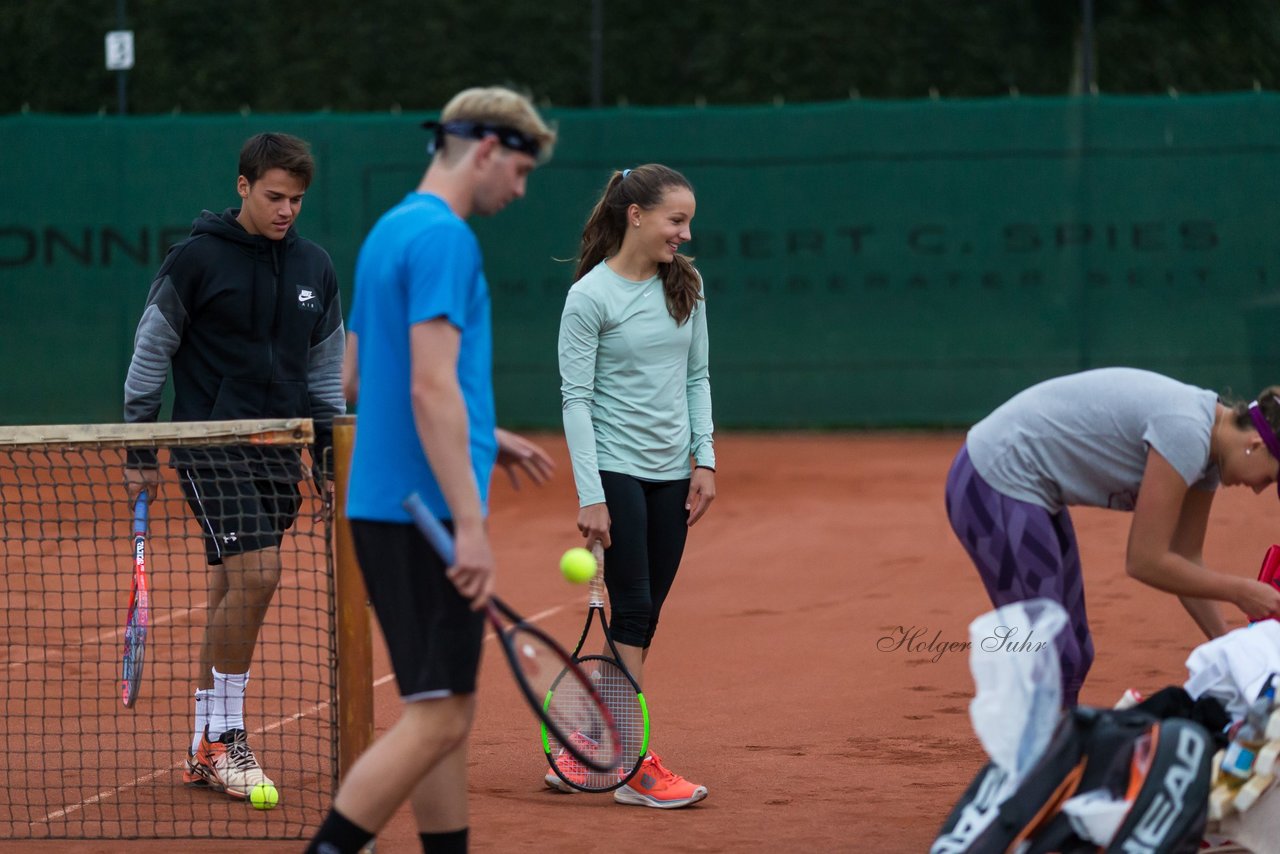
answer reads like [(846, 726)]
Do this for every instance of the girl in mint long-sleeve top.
[(637, 414)]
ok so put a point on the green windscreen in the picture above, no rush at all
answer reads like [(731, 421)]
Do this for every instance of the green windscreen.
[(867, 264)]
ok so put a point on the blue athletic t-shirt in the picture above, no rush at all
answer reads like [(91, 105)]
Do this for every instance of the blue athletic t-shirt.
[(418, 263)]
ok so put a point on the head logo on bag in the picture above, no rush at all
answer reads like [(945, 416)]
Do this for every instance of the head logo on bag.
[(1159, 768), (1167, 791)]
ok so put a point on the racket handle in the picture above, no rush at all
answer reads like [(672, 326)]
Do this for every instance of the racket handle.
[(595, 598), (140, 513), (430, 527)]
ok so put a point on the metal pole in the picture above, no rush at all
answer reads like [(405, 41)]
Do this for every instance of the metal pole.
[(122, 98), (1086, 47), (597, 53)]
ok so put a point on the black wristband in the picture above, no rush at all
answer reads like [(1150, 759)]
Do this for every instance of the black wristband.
[(711, 469)]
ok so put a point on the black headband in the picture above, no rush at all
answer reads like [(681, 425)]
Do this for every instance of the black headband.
[(512, 138)]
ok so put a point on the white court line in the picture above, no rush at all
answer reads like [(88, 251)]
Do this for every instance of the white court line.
[(110, 633), (146, 778)]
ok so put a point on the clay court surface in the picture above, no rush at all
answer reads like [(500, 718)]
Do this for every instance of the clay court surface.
[(769, 681)]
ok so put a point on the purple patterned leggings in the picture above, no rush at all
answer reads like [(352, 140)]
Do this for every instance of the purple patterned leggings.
[(1023, 551)]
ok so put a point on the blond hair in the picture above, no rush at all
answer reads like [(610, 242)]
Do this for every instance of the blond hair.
[(499, 105)]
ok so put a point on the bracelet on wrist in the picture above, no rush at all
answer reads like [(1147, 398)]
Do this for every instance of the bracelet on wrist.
[(711, 469)]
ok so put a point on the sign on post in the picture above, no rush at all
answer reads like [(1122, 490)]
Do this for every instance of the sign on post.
[(120, 50)]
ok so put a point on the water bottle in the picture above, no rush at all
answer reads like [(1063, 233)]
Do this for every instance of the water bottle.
[(1242, 752)]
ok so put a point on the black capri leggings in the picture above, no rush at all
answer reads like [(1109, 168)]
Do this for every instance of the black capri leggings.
[(649, 524)]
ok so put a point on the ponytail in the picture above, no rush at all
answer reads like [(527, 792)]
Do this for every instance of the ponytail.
[(607, 223)]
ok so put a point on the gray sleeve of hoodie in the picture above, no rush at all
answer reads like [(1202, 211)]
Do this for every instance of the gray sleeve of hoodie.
[(157, 339), (324, 370), (324, 377), (159, 333)]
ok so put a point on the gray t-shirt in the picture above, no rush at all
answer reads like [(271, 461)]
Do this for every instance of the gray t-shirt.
[(1083, 439)]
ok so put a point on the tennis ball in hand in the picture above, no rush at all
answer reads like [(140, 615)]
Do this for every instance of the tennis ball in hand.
[(578, 565), (264, 797)]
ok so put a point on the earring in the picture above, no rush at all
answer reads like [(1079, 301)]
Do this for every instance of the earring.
[(1248, 451)]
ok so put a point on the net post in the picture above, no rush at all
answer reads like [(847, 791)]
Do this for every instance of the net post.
[(355, 638)]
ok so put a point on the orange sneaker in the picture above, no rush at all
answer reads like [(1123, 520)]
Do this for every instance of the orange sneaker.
[(192, 771), (569, 766), (228, 764), (655, 786), (191, 775)]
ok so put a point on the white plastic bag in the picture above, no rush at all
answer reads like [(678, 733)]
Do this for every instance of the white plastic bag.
[(1014, 659)]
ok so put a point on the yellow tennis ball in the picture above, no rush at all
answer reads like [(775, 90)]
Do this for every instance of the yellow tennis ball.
[(578, 565), (264, 797)]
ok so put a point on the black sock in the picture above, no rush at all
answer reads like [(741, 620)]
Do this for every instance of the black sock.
[(453, 842), (342, 835)]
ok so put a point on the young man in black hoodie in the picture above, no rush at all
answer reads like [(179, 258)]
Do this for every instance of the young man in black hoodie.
[(247, 315)]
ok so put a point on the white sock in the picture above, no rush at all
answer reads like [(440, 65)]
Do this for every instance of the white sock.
[(204, 699), (228, 703)]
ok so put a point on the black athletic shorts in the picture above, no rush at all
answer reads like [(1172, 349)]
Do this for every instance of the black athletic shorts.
[(239, 513), (432, 634)]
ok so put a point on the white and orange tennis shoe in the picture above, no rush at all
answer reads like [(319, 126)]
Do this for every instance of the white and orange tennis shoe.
[(228, 764), (654, 785), (192, 772), (569, 766)]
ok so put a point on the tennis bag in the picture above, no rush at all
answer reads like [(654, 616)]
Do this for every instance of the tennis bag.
[(1161, 767)]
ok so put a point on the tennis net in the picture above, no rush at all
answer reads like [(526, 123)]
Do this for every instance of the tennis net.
[(78, 763)]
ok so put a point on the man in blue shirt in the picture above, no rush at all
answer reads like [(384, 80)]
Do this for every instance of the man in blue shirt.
[(421, 328)]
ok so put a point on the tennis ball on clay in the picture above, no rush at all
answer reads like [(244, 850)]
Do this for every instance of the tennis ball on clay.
[(264, 797), (578, 565)]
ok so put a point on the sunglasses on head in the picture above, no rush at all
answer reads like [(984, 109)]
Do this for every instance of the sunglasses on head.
[(512, 138)]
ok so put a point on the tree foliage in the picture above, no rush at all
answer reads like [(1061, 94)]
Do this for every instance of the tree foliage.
[(383, 54)]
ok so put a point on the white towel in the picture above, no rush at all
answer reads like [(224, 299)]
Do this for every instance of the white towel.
[(1234, 667)]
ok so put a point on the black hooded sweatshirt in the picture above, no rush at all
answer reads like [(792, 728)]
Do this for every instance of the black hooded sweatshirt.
[(251, 327)]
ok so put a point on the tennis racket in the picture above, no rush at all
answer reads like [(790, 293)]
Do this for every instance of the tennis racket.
[(135, 624), (621, 694), (574, 712)]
